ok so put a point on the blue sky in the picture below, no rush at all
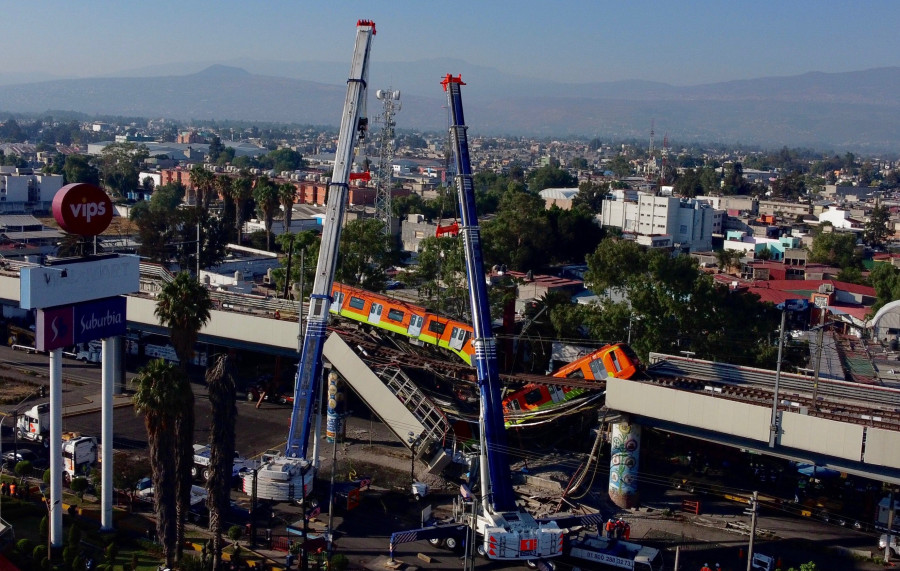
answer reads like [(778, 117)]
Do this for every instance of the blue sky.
[(682, 43)]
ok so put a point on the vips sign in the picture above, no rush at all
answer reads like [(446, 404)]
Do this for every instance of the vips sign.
[(82, 209), (65, 326)]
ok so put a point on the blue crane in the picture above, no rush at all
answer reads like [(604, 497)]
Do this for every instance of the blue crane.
[(353, 128)]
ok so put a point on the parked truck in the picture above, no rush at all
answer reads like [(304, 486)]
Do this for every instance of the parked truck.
[(91, 352), (201, 463), (614, 553), (34, 424), (79, 455)]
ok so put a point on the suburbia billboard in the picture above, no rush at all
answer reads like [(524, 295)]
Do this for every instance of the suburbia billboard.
[(64, 326)]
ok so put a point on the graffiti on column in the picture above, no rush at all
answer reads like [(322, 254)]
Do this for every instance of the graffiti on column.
[(623, 463)]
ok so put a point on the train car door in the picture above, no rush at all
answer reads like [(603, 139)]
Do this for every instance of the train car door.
[(557, 394), (598, 368), (375, 312), (338, 303), (458, 338), (415, 325)]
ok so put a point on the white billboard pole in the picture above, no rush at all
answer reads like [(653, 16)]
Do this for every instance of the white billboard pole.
[(56, 461)]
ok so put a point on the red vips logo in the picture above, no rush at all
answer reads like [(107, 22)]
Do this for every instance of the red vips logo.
[(82, 209)]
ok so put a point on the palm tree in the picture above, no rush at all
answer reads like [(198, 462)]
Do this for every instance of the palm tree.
[(202, 181), (222, 396), (184, 307), (287, 193), (225, 191), (241, 191), (160, 394), (266, 195)]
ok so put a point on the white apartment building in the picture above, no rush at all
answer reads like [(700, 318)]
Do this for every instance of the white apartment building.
[(663, 221), (21, 187)]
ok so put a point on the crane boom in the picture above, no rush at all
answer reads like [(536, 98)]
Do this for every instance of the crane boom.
[(353, 121), (496, 486)]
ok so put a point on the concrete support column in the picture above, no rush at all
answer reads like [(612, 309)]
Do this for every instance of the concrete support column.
[(109, 374), (624, 459), (56, 461)]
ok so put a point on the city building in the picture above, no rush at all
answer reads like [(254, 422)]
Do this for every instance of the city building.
[(663, 221), (21, 190)]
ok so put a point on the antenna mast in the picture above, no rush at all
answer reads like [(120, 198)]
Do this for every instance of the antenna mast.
[(383, 211)]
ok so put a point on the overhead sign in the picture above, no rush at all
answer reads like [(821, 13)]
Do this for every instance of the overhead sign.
[(78, 280), (64, 326), (83, 209)]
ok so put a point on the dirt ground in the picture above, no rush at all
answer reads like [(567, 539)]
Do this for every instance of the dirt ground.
[(15, 388)]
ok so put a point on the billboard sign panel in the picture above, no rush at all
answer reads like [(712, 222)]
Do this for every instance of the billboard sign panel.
[(83, 209), (78, 280), (65, 326)]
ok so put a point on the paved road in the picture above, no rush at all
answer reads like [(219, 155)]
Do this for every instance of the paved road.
[(364, 534)]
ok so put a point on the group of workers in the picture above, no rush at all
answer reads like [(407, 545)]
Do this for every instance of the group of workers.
[(11, 489), (706, 567), (618, 529)]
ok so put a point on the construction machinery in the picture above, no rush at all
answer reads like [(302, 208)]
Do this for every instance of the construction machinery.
[(494, 524), (291, 476)]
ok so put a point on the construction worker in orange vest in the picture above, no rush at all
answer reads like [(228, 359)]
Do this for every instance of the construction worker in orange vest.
[(610, 528), (705, 567)]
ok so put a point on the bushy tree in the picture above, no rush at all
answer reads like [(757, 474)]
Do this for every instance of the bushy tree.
[(365, 253)]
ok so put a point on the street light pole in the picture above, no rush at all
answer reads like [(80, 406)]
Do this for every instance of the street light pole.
[(773, 426)]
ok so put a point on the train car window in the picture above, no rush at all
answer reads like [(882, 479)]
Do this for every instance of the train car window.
[(395, 315), (614, 358), (533, 397), (416, 320), (460, 333), (357, 302), (437, 327), (513, 404), (576, 374)]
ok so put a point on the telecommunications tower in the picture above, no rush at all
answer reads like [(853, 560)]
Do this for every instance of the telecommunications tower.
[(391, 101)]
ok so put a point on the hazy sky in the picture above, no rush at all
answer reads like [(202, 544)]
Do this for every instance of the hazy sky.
[(682, 43)]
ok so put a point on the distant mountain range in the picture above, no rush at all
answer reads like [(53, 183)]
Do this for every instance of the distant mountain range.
[(853, 111)]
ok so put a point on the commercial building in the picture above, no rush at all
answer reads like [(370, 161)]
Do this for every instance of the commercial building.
[(663, 221)]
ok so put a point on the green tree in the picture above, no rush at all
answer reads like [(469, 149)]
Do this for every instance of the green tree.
[(572, 234), (287, 194), (216, 148), (620, 166), (183, 306), (517, 235), (119, 166), (303, 250), (160, 398), (735, 183), (222, 397), (79, 486), (282, 160), (241, 192), (877, 226), (834, 248), (689, 184), (365, 253), (885, 278), (550, 176), (267, 198), (202, 183), (591, 195), (440, 276), (78, 168)]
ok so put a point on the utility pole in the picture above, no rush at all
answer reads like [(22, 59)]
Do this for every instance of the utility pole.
[(890, 527), (773, 426), (754, 508)]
